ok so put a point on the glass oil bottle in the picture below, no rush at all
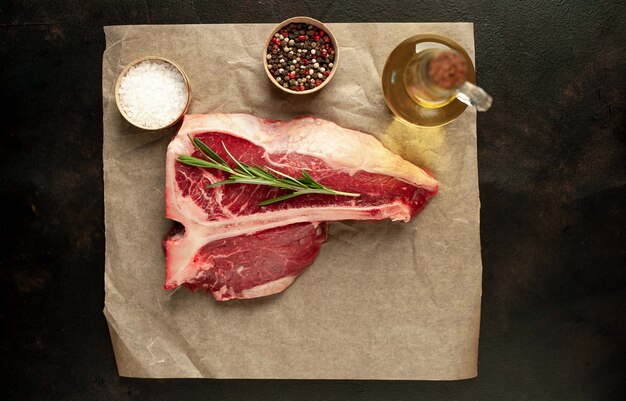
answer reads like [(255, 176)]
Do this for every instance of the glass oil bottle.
[(429, 80)]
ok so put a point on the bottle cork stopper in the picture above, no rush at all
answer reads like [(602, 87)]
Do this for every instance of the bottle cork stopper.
[(448, 70)]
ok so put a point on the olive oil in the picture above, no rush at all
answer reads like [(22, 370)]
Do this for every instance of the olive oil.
[(404, 89)]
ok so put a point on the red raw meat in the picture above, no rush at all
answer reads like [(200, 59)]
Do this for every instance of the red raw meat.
[(254, 264), (235, 248)]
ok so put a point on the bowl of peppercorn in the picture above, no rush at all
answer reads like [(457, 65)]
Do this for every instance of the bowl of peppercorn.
[(300, 55)]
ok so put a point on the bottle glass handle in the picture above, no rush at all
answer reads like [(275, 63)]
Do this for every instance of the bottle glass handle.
[(474, 96)]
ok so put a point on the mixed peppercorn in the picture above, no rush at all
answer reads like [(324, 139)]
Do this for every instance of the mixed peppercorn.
[(300, 56)]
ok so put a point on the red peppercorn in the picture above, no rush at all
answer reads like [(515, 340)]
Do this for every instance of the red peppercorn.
[(326, 38), (291, 75), (316, 38), (321, 33), (301, 87), (324, 53), (276, 41), (301, 38), (327, 73), (304, 61), (318, 82), (284, 33)]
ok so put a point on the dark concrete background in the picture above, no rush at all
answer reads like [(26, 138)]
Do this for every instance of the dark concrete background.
[(552, 161)]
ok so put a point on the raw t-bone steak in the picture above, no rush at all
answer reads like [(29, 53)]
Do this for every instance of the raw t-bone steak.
[(229, 245)]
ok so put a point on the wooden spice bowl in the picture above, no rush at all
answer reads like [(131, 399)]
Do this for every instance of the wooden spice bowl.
[(140, 60), (308, 21)]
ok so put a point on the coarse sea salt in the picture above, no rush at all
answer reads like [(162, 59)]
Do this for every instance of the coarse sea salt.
[(153, 93)]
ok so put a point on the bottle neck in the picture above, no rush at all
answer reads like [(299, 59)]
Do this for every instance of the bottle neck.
[(427, 83), (435, 77)]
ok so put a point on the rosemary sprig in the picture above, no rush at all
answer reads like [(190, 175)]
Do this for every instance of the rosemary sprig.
[(257, 175)]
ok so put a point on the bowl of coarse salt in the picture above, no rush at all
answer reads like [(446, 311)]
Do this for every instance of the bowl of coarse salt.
[(152, 93)]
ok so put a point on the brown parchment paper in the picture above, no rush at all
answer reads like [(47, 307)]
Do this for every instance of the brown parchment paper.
[(382, 301)]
